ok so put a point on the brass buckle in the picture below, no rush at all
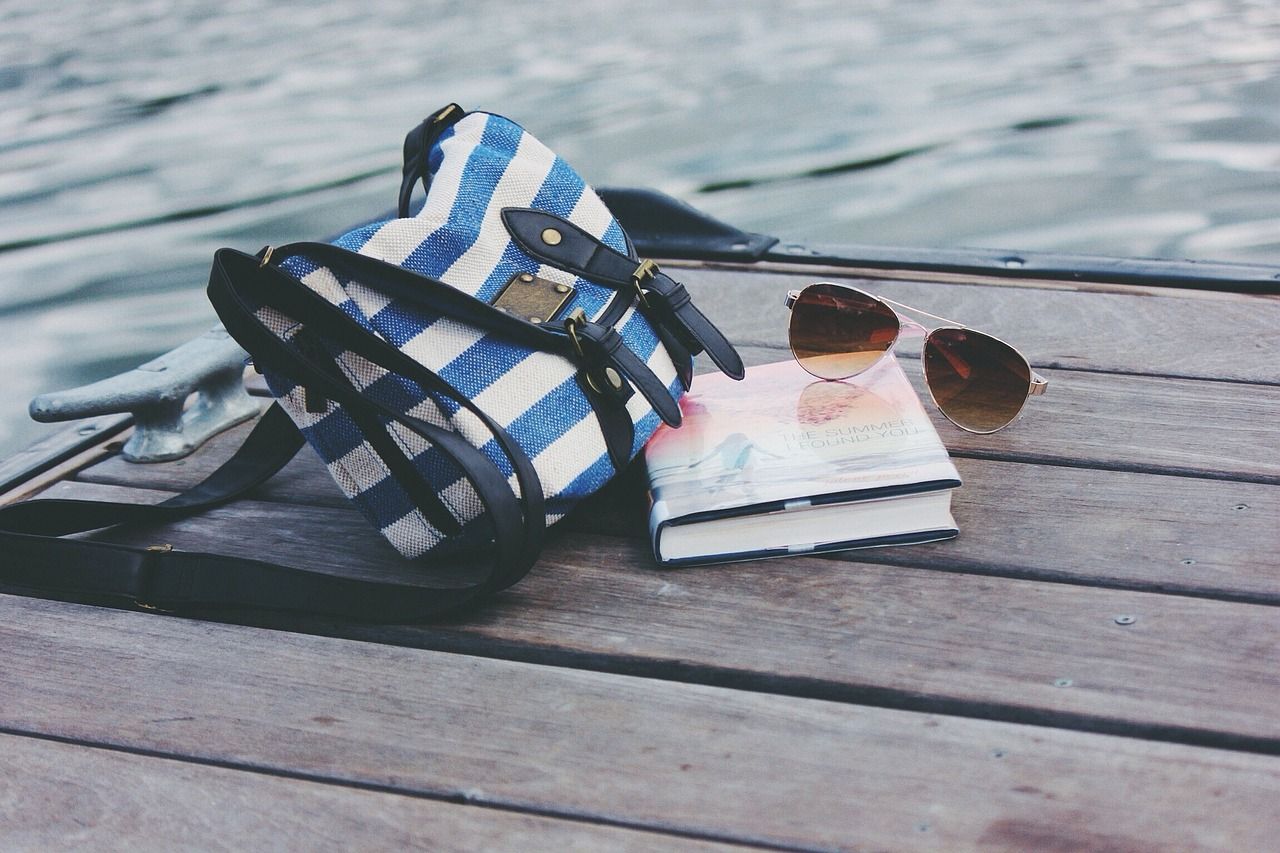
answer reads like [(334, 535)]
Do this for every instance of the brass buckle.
[(611, 376), (571, 323), (153, 549), (647, 271), (445, 113)]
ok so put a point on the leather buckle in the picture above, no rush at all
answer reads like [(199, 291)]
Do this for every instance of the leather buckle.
[(443, 114), (601, 380), (571, 323), (647, 271)]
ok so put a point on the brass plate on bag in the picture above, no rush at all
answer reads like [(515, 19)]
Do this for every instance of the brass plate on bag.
[(532, 299)]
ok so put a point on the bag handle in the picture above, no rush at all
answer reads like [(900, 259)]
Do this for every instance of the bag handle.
[(518, 530), (417, 151), (160, 578)]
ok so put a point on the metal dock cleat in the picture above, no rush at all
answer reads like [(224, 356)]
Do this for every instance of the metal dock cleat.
[(165, 427)]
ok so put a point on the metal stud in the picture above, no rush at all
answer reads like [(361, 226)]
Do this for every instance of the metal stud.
[(614, 378), (526, 278), (551, 236), (562, 288), (535, 319)]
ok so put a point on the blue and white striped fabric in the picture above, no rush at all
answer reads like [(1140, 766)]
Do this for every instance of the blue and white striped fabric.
[(480, 165)]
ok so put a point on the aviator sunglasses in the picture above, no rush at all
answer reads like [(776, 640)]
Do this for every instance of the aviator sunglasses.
[(978, 382)]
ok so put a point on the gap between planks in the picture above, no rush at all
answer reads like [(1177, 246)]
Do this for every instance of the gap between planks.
[(1191, 428), (1206, 539), (692, 759), (814, 272), (1130, 333), (901, 637), (766, 352), (57, 795)]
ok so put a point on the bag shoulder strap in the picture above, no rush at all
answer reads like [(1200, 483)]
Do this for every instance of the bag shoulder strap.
[(161, 578)]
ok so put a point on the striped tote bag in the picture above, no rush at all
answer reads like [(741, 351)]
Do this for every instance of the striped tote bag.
[(471, 368)]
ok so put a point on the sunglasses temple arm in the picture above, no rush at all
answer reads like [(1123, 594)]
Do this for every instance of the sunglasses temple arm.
[(1038, 384)]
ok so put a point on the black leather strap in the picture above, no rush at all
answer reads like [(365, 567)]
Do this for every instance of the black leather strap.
[(239, 283), (36, 558), (170, 580), (417, 151), (609, 348), (159, 578), (604, 347), (574, 250)]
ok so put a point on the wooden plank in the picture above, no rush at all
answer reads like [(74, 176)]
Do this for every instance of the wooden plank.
[(687, 758), (1222, 430), (304, 480), (1195, 537), (62, 445), (1187, 669), (60, 796), (1134, 531), (1073, 281), (1206, 336)]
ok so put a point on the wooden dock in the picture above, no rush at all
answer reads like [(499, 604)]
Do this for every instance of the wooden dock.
[(1093, 665)]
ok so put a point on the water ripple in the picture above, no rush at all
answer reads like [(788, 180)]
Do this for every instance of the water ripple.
[(137, 137)]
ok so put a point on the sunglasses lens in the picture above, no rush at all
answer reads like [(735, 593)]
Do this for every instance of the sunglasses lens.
[(837, 332), (978, 382)]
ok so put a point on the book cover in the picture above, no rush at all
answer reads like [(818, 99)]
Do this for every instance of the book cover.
[(783, 462)]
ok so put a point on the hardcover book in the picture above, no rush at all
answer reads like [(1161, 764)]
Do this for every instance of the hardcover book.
[(785, 463)]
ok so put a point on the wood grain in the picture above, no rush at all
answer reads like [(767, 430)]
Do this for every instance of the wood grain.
[(303, 480), (62, 443), (1138, 531), (1074, 281), (1222, 430), (60, 796), (1188, 669), (1167, 335), (684, 757)]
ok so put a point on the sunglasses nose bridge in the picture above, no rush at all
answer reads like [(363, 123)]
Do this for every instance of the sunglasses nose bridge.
[(910, 328)]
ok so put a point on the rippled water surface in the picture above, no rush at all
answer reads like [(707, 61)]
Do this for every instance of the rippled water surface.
[(137, 137)]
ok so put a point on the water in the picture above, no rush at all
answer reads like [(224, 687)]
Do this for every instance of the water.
[(135, 138)]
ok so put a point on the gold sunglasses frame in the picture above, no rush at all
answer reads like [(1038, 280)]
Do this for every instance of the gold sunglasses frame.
[(1036, 384)]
